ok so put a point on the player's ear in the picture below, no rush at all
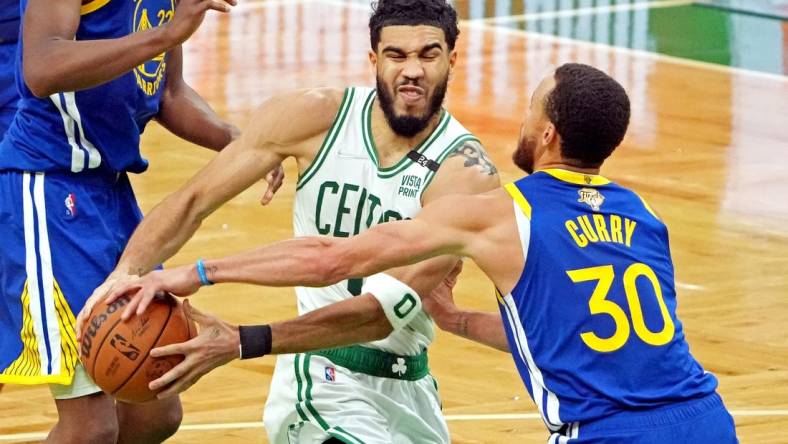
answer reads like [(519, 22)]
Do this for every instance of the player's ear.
[(549, 134), (373, 59)]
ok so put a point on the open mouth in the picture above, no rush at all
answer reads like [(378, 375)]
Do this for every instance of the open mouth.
[(410, 94)]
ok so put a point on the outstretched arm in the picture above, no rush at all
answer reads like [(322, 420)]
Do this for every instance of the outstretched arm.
[(344, 323), (53, 61), (280, 129), (443, 227)]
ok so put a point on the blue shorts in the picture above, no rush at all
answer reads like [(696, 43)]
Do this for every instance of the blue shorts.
[(62, 234), (703, 420)]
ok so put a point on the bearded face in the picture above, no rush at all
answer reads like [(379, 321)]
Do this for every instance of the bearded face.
[(407, 124), (412, 65)]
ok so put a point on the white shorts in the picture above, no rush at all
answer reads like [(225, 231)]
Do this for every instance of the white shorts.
[(80, 386), (313, 399)]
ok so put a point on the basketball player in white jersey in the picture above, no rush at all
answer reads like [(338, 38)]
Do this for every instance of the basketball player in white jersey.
[(365, 156)]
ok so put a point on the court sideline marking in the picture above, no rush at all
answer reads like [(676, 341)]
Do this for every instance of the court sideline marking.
[(450, 418)]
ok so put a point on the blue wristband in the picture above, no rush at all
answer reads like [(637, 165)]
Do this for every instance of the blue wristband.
[(201, 272)]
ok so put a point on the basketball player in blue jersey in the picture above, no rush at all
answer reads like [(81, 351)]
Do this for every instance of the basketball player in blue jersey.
[(582, 267), (92, 75), (9, 32)]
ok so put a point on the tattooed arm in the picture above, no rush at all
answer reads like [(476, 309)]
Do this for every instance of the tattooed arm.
[(467, 170), (483, 327), (473, 155)]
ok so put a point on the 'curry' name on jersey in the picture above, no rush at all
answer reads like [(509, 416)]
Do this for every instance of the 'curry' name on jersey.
[(587, 229)]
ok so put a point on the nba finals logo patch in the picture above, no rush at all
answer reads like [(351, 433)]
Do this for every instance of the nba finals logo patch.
[(331, 374), (149, 14), (592, 197), (71, 206)]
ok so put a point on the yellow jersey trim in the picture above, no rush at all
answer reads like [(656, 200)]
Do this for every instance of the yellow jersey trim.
[(61, 379), (500, 297), (648, 207), (576, 178), (518, 197), (26, 368), (92, 6)]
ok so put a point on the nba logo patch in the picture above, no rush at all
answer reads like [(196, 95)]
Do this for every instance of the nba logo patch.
[(71, 206), (331, 375)]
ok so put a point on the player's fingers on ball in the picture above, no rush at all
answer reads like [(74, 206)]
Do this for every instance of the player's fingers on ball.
[(172, 349), (195, 314), (181, 384), (81, 320), (128, 312), (167, 378), (143, 299)]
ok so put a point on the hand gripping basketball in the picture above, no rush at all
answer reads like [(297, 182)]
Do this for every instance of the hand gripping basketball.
[(116, 354), (181, 281), (216, 344)]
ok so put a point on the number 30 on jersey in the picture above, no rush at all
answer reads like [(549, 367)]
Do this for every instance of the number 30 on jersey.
[(598, 305)]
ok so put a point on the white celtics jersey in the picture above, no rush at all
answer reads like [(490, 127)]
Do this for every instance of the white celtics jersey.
[(345, 191)]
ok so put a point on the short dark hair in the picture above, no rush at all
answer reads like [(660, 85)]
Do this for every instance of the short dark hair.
[(437, 13), (590, 110)]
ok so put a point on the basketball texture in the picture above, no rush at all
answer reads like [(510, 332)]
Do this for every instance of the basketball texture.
[(115, 353)]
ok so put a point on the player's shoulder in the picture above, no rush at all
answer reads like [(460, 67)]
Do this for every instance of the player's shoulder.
[(467, 169), (296, 115), (316, 102)]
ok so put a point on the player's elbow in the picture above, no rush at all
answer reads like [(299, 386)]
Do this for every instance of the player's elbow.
[(38, 81)]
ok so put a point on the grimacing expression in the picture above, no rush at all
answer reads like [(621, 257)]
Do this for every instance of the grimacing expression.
[(532, 128), (412, 64)]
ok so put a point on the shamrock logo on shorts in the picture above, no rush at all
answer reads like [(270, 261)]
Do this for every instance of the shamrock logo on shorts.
[(399, 367)]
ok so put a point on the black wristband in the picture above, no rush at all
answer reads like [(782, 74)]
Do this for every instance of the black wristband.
[(255, 340)]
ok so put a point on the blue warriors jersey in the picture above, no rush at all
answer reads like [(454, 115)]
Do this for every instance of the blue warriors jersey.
[(9, 32), (9, 21), (592, 321), (96, 128)]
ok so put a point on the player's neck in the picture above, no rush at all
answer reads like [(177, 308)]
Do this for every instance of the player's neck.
[(564, 164), (392, 146)]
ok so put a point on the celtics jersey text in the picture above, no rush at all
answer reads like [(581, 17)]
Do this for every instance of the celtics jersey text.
[(345, 191), (96, 128), (592, 323)]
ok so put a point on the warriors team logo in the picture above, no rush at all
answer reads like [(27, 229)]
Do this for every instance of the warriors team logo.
[(149, 14), (592, 197)]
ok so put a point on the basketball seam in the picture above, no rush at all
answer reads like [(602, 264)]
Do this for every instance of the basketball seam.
[(153, 344)]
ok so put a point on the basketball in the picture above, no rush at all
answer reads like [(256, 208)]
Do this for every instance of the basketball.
[(115, 353)]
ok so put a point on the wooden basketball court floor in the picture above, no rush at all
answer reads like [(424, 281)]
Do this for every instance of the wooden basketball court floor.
[(707, 146)]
